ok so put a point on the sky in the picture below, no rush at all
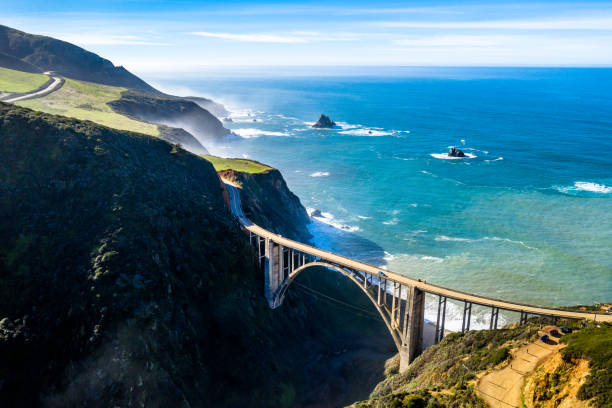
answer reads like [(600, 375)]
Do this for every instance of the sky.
[(184, 36)]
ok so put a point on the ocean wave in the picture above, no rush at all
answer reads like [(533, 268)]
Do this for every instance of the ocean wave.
[(445, 156), (457, 239), (363, 217), (404, 158), (584, 186), (242, 115), (446, 238), (366, 132), (498, 159), (248, 133), (320, 174), (432, 258), (393, 221), (329, 219)]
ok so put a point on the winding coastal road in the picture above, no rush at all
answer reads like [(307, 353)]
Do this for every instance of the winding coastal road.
[(352, 264), (52, 86)]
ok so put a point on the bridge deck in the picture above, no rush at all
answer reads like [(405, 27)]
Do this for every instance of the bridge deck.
[(394, 277)]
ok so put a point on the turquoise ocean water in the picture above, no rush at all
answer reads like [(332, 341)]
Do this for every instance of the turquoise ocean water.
[(528, 217)]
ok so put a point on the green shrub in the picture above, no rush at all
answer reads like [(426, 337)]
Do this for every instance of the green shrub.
[(594, 344)]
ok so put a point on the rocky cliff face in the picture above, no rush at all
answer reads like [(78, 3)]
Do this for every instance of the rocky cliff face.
[(268, 202), (126, 282), (173, 112)]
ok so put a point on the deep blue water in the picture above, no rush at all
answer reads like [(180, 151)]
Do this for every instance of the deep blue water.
[(529, 218)]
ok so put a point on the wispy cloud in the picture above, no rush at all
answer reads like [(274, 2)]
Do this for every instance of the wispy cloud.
[(253, 37), (107, 39), (451, 41), (295, 37), (591, 23)]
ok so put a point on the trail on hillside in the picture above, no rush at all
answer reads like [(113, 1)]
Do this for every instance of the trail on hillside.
[(502, 388)]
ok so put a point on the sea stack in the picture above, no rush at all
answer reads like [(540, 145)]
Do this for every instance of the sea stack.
[(454, 152), (324, 122)]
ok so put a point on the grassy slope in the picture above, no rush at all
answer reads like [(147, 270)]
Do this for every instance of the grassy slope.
[(242, 165), (88, 101), (12, 81), (595, 345), (443, 374)]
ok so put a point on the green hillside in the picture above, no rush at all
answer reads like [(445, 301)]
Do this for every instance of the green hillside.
[(12, 81), (243, 165), (37, 52), (88, 101)]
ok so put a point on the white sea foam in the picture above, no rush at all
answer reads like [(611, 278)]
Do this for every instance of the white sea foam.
[(329, 219), (432, 258), (393, 221), (457, 239), (584, 186), (445, 156), (498, 159), (363, 217), (366, 132), (445, 238), (248, 133), (245, 156), (320, 174)]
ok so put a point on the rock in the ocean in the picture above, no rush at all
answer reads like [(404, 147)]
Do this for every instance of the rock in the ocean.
[(454, 152), (316, 213), (324, 122), (228, 119)]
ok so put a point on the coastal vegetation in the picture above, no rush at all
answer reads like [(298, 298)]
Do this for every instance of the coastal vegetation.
[(89, 101), (12, 81), (39, 53), (594, 344), (241, 165)]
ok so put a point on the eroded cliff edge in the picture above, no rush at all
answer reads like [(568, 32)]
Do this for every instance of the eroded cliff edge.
[(267, 201)]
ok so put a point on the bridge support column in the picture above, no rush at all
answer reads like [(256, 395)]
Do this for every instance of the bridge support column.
[(273, 270), (414, 319)]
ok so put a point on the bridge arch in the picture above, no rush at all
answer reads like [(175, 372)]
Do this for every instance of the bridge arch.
[(282, 290)]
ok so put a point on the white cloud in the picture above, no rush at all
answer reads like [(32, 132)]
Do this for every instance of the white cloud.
[(106, 39), (295, 37), (451, 41), (591, 23), (263, 38)]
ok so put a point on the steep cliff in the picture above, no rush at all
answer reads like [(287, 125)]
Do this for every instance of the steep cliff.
[(126, 282), (268, 202), (173, 112)]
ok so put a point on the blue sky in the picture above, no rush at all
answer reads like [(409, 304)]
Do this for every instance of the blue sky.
[(188, 36)]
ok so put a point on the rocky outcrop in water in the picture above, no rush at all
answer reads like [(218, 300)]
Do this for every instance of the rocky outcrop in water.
[(324, 122), (454, 152)]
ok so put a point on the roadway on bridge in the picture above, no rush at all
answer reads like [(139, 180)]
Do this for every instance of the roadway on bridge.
[(330, 257)]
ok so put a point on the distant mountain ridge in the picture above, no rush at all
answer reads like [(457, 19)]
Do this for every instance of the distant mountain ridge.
[(37, 53)]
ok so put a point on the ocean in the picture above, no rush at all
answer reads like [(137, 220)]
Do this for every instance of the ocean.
[(527, 216)]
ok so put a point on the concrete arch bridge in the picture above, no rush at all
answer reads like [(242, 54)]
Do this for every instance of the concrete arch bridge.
[(399, 300)]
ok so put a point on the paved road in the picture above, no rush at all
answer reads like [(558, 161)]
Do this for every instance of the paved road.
[(236, 208), (53, 86)]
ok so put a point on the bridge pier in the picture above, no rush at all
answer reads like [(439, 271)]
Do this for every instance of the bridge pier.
[(414, 320), (273, 271)]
